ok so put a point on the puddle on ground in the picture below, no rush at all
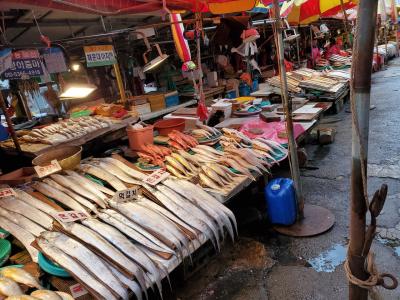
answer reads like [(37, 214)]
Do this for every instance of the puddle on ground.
[(394, 244), (328, 260)]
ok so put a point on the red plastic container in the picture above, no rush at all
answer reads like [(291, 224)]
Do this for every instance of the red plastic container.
[(138, 138), (166, 126)]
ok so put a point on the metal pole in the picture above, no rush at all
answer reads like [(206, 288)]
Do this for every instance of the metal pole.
[(9, 123), (360, 98), (287, 105), (346, 22), (120, 83), (298, 51), (311, 41), (386, 43)]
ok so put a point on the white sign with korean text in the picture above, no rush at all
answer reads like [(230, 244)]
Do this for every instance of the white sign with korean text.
[(127, 195), (70, 216), (156, 177), (52, 168), (7, 192)]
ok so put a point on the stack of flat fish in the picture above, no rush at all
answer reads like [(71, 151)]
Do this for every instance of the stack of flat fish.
[(125, 244)]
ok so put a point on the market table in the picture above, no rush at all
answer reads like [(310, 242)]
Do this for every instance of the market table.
[(165, 111), (265, 90), (114, 132), (209, 93)]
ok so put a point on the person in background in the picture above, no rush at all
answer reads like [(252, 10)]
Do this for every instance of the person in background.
[(315, 52), (332, 48)]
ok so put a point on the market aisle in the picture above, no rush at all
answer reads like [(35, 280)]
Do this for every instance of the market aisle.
[(263, 265)]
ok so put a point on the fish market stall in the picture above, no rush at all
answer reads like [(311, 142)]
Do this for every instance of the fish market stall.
[(155, 216), (78, 132)]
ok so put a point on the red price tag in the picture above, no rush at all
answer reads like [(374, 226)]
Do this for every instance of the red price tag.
[(156, 177), (7, 192), (52, 168), (77, 290), (70, 216)]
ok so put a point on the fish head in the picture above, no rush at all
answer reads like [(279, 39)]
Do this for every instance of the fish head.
[(50, 235)]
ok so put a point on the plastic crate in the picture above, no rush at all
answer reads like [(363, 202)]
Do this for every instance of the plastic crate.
[(171, 99)]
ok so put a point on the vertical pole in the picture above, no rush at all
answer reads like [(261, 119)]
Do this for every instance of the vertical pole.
[(386, 43), (360, 99), (395, 23), (346, 23), (298, 50), (311, 41), (287, 105), (120, 83), (9, 123)]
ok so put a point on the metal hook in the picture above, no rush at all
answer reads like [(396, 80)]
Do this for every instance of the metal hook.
[(382, 282)]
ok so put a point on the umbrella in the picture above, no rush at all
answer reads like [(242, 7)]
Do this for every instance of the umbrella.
[(307, 11), (351, 15), (263, 6), (218, 7)]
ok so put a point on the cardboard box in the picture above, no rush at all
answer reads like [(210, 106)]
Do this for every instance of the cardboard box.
[(156, 100), (138, 100), (212, 79), (142, 108)]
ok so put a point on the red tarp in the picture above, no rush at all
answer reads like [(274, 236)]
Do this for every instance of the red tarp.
[(112, 7)]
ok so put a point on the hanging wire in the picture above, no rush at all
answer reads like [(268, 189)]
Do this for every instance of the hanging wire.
[(36, 22)]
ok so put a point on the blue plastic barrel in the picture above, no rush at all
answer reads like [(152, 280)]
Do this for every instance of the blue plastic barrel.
[(244, 90), (255, 85), (281, 201)]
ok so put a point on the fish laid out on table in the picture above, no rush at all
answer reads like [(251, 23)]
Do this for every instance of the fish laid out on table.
[(122, 247)]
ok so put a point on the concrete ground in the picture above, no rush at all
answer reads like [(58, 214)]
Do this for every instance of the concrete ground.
[(265, 265)]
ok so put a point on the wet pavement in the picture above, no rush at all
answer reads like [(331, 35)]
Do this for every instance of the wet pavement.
[(265, 265)]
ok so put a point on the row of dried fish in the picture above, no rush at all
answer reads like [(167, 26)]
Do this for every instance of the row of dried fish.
[(66, 130), (292, 83), (124, 244)]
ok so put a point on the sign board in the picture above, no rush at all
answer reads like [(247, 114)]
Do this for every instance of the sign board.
[(77, 290), (55, 60), (127, 195), (156, 177), (100, 55), (5, 60), (25, 64), (44, 171), (6, 192), (70, 216)]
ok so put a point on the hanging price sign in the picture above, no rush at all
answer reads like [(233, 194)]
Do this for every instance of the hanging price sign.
[(70, 216), (156, 177), (7, 192), (127, 195), (52, 168)]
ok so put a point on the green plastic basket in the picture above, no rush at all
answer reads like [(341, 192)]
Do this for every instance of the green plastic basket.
[(51, 268)]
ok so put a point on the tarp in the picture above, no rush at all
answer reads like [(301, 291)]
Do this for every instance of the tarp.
[(119, 7)]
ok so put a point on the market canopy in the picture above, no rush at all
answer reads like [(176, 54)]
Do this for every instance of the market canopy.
[(119, 7), (307, 11)]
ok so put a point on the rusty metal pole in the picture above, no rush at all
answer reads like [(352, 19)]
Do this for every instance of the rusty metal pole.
[(360, 97), (287, 106), (9, 123)]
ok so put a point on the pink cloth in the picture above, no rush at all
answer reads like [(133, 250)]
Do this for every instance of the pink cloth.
[(315, 54), (269, 130)]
